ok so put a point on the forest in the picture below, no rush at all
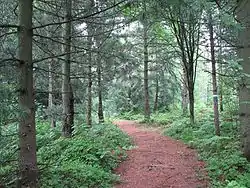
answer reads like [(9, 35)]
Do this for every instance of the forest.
[(71, 70)]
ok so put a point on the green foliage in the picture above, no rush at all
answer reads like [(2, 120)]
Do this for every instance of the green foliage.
[(234, 184), (8, 153), (85, 160), (75, 174), (160, 118), (166, 119), (9, 109), (46, 135), (225, 164), (131, 116)]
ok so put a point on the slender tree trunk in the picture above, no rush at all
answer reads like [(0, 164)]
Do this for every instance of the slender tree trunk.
[(191, 103), (90, 30), (214, 78), (67, 92), (156, 95), (89, 89), (188, 51), (51, 96), (184, 93), (130, 102), (27, 130), (220, 77), (190, 86), (99, 77), (221, 99), (145, 45), (89, 97), (188, 36), (221, 89), (244, 92)]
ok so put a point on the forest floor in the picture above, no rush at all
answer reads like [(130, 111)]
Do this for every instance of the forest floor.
[(159, 161)]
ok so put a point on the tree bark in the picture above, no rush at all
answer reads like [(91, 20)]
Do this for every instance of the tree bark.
[(188, 37), (220, 77), (28, 170), (184, 93), (221, 99), (51, 96), (244, 90), (67, 92), (90, 47), (156, 95), (214, 77), (189, 49), (89, 89), (221, 105), (99, 77), (191, 102), (145, 52)]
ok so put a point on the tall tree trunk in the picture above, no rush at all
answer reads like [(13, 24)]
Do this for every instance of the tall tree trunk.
[(129, 100), (89, 89), (221, 105), (89, 96), (220, 77), (189, 61), (191, 101), (156, 95), (188, 37), (244, 92), (184, 93), (190, 87), (67, 92), (145, 52), (27, 130), (99, 74), (214, 78), (51, 96), (221, 98), (90, 47), (99, 77), (221, 91)]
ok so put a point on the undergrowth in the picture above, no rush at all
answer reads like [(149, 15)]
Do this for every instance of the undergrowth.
[(226, 165), (85, 160), (156, 119), (131, 116)]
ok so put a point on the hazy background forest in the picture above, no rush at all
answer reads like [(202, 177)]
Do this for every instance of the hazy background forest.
[(68, 68)]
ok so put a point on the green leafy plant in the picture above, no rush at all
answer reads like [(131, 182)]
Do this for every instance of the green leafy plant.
[(85, 160), (226, 165)]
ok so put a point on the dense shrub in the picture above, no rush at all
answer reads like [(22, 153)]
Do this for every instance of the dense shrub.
[(225, 163), (85, 160), (8, 154), (131, 116)]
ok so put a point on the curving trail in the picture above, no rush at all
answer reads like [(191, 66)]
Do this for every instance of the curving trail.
[(159, 162)]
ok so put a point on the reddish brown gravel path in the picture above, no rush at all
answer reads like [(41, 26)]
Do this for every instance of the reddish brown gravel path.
[(158, 162)]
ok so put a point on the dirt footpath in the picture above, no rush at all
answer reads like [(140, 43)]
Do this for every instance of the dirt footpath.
[(159, 162)]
